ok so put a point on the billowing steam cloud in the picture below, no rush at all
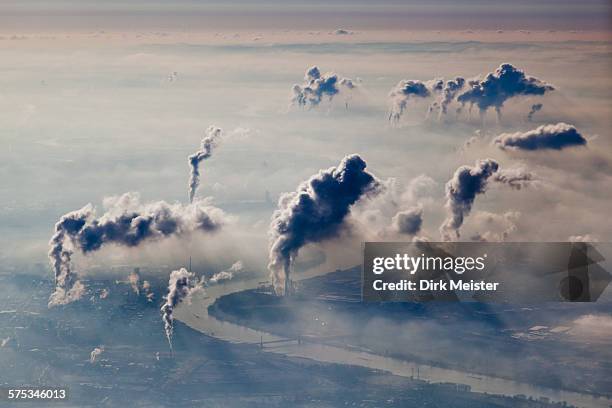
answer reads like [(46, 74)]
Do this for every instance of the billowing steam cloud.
[(499, 86), (403, 92), (461, 191), (409, 221), (449, 91), (126, 222), (181, 286), (555, 137), (536, 107), (208, 144), (314, 212), (467, 183), (317, 85), (227, 274)]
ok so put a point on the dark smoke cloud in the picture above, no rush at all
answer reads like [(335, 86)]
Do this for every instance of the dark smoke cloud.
[(555, 137), (314, 212), (461, 191), (126, 222), (409, 221), (534, 108), (181, 286), (403, 92), (499, 86), (467, 183), (316, 86), (208, 143)]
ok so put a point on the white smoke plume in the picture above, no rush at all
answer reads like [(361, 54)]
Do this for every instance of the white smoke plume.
[(126, 222), (134, 280), (95, 353), (181, 286), (209, 142), (494, 227), (104, 293), (146, 287), (227, 274)]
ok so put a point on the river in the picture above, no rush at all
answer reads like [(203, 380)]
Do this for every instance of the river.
[(196, 316)]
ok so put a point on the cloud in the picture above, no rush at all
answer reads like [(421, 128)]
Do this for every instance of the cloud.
[(409, 221), (449, 91), (206, 148), (592, 327), (316, 86), (403, 92), (126, 222), (515, 178), (461, 191), (582, 238), (499, 86), (545, 137), (493, 227), (468, 182), (534, 108), (181, 286), (341, 31), (227, 274), (316, 211)]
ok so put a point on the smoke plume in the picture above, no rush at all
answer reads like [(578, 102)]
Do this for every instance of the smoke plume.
[(181, 286), (499, 86), (95, 353), (146, 287), (449, 91), (227, 274), (316, 86), (134, 280), (314, 212), (545, 137), (467, 183), (409, 221), (402, 93), (534, 108), (206, 148), (461, 191), (126, 222)]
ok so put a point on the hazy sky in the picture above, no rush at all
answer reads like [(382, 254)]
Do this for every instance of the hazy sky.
[(86, 114), (318, 14)]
